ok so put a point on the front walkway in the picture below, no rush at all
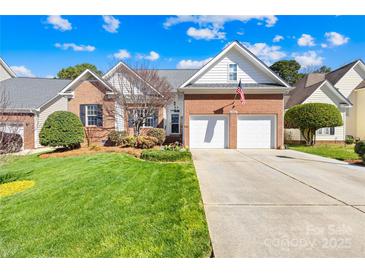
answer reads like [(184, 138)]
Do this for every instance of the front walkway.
[(273, 203)]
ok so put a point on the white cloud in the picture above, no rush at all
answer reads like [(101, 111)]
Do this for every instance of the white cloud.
[(324, 45), (240, 32), (122, 54), (268, 54), (59, 23), (277, 38), (306, 40), (74, 47), (49, 76), (218, 21), (22, 71), (205, 33), (309, 59), (192, 64), (111, 23), (336, 39), (152, 56)]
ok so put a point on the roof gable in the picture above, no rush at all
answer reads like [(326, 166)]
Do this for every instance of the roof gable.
[(85, 75), (7, 70), (324, 91), (250, 69), (336, 75)]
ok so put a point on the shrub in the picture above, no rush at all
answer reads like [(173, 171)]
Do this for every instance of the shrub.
[(360, 148), (10, 142), (312, 116), (349, 139), (158, 133), (165, 155), (174, 146), (363, 159), (62, 128), (115, 137), (11, 176), (145, 142), (128, 141)]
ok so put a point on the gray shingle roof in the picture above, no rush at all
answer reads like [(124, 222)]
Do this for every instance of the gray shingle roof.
[(361, 85), (334, 76), (31, 93), (176, 77)]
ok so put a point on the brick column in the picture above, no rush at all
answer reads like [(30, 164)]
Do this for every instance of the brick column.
[(232, 131)]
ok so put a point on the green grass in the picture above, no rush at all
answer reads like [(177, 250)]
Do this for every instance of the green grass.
[(335, 151), (103, 205)]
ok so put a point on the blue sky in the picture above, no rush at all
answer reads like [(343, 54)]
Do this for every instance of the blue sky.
[(42, 45)]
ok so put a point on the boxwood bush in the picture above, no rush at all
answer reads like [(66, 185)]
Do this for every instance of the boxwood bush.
[(115, 137), (158, 133), (360, 148), (62, 129), (165, 155)]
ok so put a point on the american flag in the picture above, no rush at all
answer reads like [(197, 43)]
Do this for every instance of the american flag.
[(239, 91)]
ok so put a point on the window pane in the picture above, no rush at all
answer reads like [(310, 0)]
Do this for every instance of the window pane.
[(175, 118), (232, 72), (174, 128)]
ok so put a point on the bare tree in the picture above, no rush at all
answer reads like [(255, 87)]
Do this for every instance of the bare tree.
[(140, 93), (10, 139)]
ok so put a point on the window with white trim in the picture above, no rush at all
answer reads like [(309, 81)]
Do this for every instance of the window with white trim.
[(326, 131), (232, 72), (91, 115), (175, 123)]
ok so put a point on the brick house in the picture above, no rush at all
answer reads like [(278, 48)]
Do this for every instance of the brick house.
[(204, 111)]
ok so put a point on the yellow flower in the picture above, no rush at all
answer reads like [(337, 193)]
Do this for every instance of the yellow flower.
[(14, 187)]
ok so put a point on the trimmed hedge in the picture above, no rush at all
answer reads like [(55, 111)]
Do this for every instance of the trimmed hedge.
[(312, 116), (158, 133), (165, 155), (115, 137), (360, 148), (62, 129)]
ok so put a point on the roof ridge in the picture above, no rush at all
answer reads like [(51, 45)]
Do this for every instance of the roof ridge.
[(353, 62)]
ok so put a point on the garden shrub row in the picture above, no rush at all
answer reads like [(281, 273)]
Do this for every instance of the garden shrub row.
[(165, 155), (360, 149)]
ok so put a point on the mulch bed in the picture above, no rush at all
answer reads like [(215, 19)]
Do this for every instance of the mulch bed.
[(60, 153), (356, 162)]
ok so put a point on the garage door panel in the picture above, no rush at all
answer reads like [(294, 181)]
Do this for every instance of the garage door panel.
[(208, 131), (256, 131)]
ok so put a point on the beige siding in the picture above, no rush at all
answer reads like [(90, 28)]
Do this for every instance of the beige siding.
[(360, 114), (350, 81), (59, 104), (246, 71), (3, 73)]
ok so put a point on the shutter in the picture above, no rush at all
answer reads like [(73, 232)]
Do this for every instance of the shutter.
[(82, 114), (100, 116), (332, 131)]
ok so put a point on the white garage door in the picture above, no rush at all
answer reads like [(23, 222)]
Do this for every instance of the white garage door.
[(256, 131), (208, 131)]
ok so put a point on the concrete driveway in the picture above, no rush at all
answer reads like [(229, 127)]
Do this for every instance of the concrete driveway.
[(281, 203)]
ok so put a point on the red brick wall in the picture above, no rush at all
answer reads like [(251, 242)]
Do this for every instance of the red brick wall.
[(27, 119), (92, 92), (223, 103)]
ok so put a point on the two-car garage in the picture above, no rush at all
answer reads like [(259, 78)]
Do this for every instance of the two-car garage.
[(212, 131)]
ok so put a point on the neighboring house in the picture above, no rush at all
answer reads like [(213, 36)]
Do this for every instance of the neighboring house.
[(205, 111), (343, 87), (5, 71)]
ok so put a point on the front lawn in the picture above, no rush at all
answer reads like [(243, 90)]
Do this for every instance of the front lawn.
[(103, 205), (335, 151)]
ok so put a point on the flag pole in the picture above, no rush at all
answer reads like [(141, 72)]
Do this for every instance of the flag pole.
[(234, 99)]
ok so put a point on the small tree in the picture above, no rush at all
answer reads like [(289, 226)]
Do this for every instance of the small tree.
[(73, 72), (140, 93), (288, 70), (62, 128), (308, 118)]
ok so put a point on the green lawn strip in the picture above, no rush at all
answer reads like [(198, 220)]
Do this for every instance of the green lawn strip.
[(339, 152), (104, 205)]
